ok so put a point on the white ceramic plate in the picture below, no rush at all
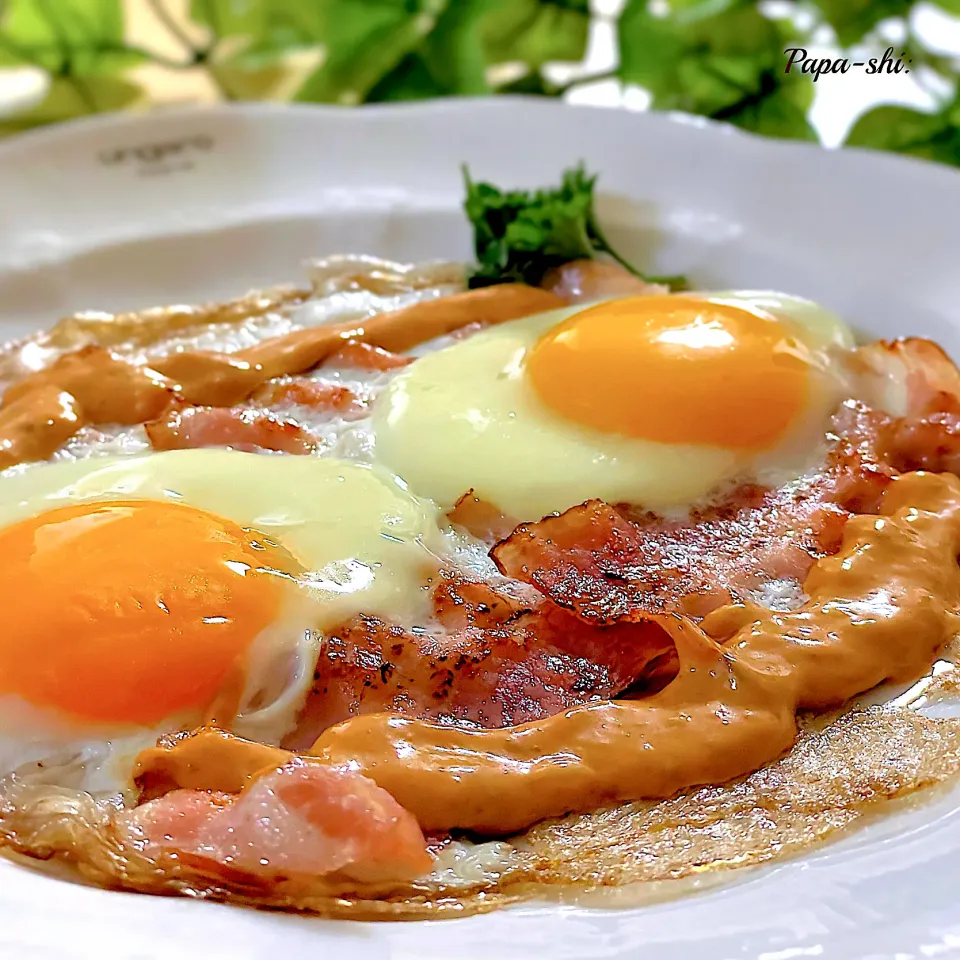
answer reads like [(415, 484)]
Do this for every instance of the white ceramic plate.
[(127, 212)]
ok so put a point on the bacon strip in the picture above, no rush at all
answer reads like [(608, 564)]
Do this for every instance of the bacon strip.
[(314, 394), (581, 281), (605, 566), (902, 444), (489, 659), (907, 377), (481, 519), (235, 427), (922, 443), (108, 389), (364, 356)]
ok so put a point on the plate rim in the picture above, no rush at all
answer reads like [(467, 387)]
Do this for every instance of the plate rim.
[(112, 120)]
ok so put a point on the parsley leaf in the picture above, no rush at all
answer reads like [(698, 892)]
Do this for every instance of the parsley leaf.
[(518, 235)]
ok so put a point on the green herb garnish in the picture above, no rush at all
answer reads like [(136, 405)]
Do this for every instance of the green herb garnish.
[(518, 235)]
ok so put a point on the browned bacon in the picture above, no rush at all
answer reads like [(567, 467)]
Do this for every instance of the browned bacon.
[(581, 281), (236, 427), (923, 443), (908, 377), (363, 356), (571, 628), (607, 564), (481, 519), (488, 659), (913, 442), (316, 395)]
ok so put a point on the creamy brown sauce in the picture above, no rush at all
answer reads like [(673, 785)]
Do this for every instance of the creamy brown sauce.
[(142, 328), (878, 610), (93, 385)]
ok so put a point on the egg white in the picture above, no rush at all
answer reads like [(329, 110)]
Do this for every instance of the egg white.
[(366, 543), (467, 418), (44, 745)]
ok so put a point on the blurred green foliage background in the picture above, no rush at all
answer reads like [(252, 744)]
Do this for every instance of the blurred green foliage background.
[(722, 59)]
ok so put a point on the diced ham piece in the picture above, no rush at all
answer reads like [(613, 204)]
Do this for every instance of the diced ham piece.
[(236, 427), (314, 394), (303, 819), (581, 281), (364, 356)]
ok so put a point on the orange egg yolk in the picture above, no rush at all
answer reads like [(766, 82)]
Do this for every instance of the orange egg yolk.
[(674, 369), (132, 611)]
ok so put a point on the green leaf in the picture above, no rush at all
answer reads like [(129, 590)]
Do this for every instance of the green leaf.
[(695, 59), (854, 19), (772, 112), (719, 58), (271, 27), (951, 6), (242, 81), (453, 51), (74, 97), (232, 18), (535, 31), (519, 236), (470, 36), (933, 136), (531, 84), (75, 37), (410, 79), (365, 40), (650, 49)]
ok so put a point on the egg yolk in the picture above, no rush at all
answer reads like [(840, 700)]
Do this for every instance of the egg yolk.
[(674, 369), (132, 611)]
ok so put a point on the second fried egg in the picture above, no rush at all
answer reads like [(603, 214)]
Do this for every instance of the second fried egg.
[(647, 400)]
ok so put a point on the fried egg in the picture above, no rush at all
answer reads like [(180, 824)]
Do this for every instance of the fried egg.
[(649, 400), (147, 594)]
